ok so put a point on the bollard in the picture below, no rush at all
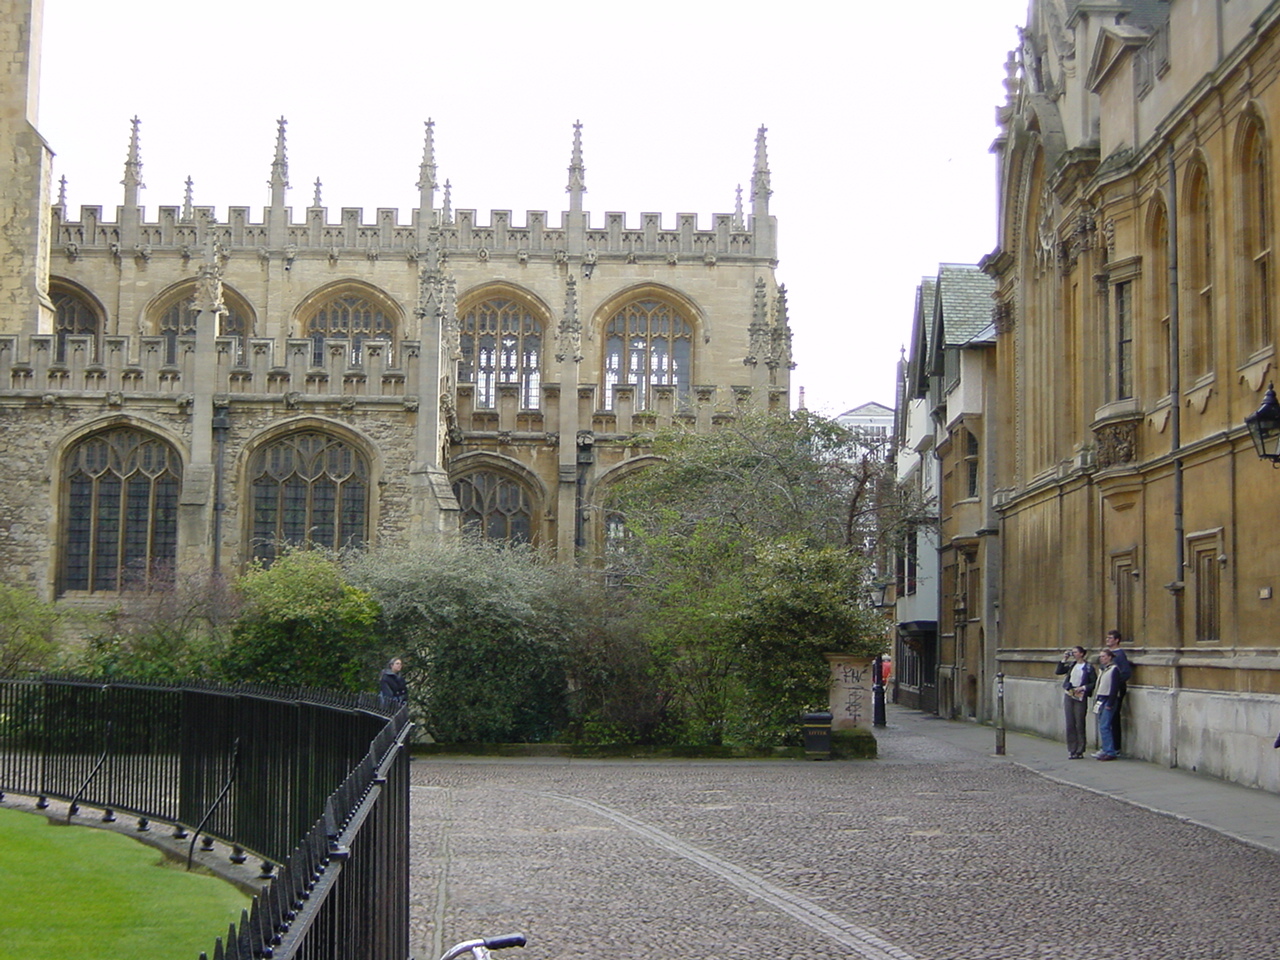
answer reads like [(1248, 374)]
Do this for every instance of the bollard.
[(999, 714)]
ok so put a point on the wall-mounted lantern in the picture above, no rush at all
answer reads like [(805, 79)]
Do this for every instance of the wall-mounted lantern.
[(1264, 427)]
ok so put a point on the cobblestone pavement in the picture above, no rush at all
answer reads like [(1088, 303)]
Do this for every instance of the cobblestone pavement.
[(933, 852)]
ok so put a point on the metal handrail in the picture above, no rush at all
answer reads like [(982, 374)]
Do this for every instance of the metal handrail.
[(74, 808), (226, 788)]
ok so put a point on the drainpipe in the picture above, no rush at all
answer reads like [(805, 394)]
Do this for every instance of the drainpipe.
[(1176, 587)]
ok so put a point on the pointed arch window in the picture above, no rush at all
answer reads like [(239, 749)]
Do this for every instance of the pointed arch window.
[(1199, 298), (648, 343), (121, 510), (1156, 284), (501, 342), (1256, 211), (347, 316), (73, 316), (308, 488), (494, 506), (178, 319)]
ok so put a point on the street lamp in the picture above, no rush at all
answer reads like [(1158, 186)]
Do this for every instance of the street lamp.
[(1264, 427)]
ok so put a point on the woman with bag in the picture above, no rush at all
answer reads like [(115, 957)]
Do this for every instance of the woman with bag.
[(1078, 687)]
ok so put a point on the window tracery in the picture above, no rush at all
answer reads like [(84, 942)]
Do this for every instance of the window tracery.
[(648, 343), (73, 316), (178, 319), (501, 342), (347, 316), (121, 510), (494, 506), (308, 488)]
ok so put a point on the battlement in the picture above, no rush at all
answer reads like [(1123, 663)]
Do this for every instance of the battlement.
[(279, 234), (39, 366)]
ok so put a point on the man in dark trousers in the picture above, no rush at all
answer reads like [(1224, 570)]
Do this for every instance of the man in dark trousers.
[(1124, 671)]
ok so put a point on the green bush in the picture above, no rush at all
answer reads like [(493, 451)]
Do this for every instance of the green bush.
[(304, 625)]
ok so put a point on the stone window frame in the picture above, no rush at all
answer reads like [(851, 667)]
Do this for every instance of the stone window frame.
[(487, 494), (171, 316), (88, 319), (1123, 575), (1204, 562), (119, 485), (313, 503), (1255, 237), (622, 343), (368, 313), (1197, 249), (517, 356)]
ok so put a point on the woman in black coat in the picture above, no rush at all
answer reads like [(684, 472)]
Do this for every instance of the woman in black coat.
[(391, 686)]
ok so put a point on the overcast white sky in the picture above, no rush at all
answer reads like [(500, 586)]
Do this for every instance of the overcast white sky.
[(880, 117)]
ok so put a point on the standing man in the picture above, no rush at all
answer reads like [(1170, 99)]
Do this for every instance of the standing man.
[(1105, 704), (1123, 673)]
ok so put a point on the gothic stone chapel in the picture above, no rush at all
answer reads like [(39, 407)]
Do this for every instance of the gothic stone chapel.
[(179, 389)]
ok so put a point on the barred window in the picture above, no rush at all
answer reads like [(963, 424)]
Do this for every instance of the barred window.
[(121, 509), (350, 317), (648, 343), (494, 506), (73, 316), (308, 488), (1198, 304), (501, 342)]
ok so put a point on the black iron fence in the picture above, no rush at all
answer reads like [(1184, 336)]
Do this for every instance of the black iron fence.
[(313, 783)]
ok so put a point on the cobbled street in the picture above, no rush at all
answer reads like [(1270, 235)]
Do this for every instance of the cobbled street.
[(932, 852)]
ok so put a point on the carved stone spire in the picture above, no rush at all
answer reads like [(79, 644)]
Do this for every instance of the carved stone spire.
[(577, 172), (760, 190), (132, 181), (62, 192), (279, 181), (427, 171), (738, 222), (188, 195), (446, 214), (315, 200)]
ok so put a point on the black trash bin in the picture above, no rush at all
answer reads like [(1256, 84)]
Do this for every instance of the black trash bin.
[(817, 735)]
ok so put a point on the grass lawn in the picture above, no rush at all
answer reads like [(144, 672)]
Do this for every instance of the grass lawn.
[(68, 891)]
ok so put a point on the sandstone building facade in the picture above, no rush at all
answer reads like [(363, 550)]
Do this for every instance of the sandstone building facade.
[(1135, 317), (180, 389)]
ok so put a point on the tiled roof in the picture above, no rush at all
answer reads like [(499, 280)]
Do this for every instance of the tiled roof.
[(964, 299)]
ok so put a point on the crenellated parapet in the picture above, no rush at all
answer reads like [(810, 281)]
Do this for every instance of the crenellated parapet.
[(351, 234), (248, 367)]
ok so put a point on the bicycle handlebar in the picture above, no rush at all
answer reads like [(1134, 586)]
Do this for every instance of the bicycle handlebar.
[(486, 943), (507, 940)]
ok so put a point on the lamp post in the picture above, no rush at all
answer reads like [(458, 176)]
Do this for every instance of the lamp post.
[(1264, 427), (879, 589)]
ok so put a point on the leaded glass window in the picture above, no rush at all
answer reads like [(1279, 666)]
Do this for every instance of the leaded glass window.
[(308, 488), (347, 316), (494, 507), (647, 344), (121, 507), (73, 316), (179, 320), (501, 342)]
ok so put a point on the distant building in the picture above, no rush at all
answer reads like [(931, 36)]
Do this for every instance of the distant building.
[(872, 421), (179, 390)]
